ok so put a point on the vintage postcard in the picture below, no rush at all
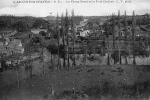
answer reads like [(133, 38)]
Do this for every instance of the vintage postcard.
[(74, 50)]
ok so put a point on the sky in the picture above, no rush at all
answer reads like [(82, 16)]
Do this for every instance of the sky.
[(43, 8)]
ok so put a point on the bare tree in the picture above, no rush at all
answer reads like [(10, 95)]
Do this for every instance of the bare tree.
[(113, 33), (58, 39), (74, 36), (125, 26), (133, 36), (66, 31), (119, 52), (63, 38)]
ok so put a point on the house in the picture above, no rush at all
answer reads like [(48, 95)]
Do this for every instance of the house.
[(84, 33), (37, 31), (11, 46), (121, 32), (15, 46), (7, 33), (83, 23)]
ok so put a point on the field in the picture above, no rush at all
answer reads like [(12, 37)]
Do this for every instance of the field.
[(116, 82)]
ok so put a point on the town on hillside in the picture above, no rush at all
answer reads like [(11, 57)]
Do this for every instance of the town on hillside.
[(71, 57)]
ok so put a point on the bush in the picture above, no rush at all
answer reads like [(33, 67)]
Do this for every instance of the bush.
[(54, 50), (42, 33)]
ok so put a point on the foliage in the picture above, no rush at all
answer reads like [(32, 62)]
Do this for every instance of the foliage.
[(36, 40), (40, 23), (42, 33), (3, 24), (11, 21), (33, 45), (108, 29), (21, 26), (140, 52), (115, 54), (54, 50)]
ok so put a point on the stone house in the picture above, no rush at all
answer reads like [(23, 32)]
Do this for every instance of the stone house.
[(15, 46), (11, 46)]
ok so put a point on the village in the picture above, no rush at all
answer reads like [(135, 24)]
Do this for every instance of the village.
[(75, 57)]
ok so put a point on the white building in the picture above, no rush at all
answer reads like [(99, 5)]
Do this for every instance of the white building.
[(85, 33)]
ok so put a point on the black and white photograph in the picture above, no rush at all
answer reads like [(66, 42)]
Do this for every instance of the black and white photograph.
[(74, 50)]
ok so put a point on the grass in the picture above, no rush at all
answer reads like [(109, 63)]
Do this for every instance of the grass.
[(116, 82)]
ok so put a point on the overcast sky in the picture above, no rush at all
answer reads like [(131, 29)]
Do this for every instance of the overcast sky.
[(88, 9)]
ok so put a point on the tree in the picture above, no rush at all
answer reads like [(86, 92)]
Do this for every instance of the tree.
[(40, 23), (21, 26), (74, 36), (133, 36), (36, 40), (62, 33), (42, 33), (2, 24), (66, 31), (119, 48)]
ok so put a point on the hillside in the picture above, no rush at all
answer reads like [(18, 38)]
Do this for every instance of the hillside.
[(11, 22), (92, 83)]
